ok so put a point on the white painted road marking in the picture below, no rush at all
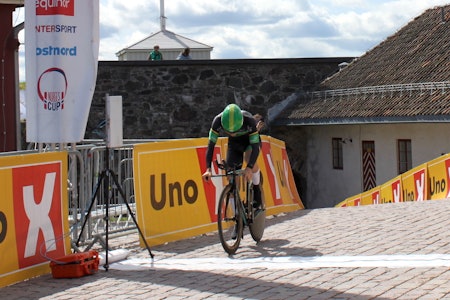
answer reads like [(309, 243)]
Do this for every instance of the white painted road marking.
[(287, 262)]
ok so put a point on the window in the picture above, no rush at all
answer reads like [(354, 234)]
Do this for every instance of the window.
[(404, 156), (337, 154)]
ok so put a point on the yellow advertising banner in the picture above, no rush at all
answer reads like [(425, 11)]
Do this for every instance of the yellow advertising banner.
[(33, 214), (414, 184), (174, 202), (371, 196), (342, 204), (391, 191), (170, 196), (429, 181), (439, 177), (280, 192), (351, 201)]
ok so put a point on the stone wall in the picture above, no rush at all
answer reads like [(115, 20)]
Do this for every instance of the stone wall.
[(178, 99)]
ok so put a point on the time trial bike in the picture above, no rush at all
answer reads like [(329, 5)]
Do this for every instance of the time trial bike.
[(234, 213)]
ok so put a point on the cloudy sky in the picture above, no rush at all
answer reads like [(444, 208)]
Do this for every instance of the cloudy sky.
[(258, 28), (261, 28)]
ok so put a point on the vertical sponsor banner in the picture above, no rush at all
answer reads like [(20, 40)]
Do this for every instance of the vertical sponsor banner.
[(61, 51), (33, 214), (439, 178), (174, 202), (391, 191), (414, 184)]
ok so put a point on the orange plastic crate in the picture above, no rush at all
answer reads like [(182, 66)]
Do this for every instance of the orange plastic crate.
[(75, 265)]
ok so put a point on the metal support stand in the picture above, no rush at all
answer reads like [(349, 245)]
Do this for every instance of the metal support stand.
[(109, 176)]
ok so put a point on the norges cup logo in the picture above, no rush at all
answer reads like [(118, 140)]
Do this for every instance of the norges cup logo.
[(52, 89)]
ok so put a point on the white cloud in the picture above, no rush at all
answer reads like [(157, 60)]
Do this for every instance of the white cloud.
[(258, 28)]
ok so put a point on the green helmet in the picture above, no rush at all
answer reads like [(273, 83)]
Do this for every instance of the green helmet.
[(232, 118)]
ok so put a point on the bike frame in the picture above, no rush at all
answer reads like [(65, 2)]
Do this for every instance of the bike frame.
[(244, 215), (245, 204)]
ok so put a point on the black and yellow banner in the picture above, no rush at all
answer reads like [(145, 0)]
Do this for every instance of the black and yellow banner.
[(174, 202)]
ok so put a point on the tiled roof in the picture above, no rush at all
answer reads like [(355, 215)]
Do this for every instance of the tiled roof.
[(405, 78)]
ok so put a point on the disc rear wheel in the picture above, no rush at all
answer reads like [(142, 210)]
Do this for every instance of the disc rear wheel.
[(258, 225), (259, 216)]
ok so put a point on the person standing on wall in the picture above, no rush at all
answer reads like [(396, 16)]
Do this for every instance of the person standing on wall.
[(155, 54), (259, 122), (185, 55)]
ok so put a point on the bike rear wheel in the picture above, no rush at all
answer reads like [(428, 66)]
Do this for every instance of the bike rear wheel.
[(258, 224), (258, 215), (229, 221)]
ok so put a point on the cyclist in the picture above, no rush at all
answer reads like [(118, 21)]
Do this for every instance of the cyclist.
[(243, 137)]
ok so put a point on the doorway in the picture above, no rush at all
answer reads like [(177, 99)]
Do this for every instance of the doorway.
[(368, 165)]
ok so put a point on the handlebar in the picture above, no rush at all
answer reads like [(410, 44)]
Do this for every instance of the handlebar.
[(235, 170)]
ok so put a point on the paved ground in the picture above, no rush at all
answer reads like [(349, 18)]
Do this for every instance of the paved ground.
[(386, 251)]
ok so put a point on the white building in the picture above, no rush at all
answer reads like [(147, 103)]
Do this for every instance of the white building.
[(170, 45), (379, 116)]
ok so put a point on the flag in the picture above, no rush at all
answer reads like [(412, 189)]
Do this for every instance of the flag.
[(61, 56)]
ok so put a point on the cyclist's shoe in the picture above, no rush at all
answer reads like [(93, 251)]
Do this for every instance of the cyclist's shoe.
[(234, 234), (256, 196)]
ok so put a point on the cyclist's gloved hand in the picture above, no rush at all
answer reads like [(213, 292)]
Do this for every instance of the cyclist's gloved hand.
[(207, 175)]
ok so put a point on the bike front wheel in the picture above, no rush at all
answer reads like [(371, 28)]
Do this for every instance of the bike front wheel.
[(229, 221)]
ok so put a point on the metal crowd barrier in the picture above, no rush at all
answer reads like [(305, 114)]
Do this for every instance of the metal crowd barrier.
[(86, 162)]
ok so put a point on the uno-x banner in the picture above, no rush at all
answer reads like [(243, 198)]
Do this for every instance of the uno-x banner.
[(61, 51), (427, 181), (172, 200), (33, 214)]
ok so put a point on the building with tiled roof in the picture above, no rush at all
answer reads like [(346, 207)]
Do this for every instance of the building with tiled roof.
[(380, 115), (170, 45)]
